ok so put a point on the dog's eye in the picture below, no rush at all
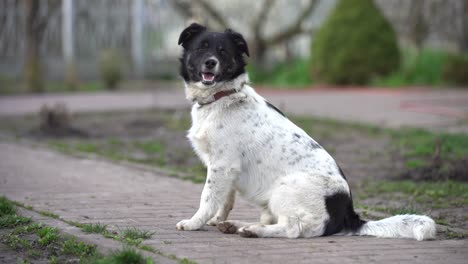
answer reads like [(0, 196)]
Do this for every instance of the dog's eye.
[(222, 51)]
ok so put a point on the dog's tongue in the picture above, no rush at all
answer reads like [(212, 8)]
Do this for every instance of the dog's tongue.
[(208, 76)]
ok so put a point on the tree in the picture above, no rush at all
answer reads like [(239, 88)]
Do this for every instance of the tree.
[(355, 44), (259, 43), (36, 24)]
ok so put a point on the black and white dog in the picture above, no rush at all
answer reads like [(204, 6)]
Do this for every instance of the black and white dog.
[(250, 147)]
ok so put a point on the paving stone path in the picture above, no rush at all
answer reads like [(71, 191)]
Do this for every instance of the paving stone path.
[(91, 191), (436, 109)]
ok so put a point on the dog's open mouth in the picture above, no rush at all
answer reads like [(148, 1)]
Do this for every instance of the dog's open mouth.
[(208, 78)]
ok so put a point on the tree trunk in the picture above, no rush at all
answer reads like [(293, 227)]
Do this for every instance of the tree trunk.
[(33, 69), (464, 38), (259, 52)]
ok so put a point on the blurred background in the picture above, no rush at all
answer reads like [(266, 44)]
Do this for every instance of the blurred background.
[(61, 45)]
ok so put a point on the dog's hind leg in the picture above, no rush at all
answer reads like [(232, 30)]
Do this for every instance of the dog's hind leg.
[(286, 227), (300, 211), (267, 218), (223, 212), (232, 226)]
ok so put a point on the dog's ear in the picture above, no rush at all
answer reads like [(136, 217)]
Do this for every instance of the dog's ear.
[(239, 41), (190, 32)]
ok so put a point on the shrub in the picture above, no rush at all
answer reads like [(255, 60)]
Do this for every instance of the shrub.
[(287, 74), (110, 66), (418, 68), (456, 70), (354, 45)]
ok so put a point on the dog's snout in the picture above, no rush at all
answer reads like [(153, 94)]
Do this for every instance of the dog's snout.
[(210, 63)]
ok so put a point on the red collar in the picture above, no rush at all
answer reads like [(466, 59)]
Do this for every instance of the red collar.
[(220, 95)]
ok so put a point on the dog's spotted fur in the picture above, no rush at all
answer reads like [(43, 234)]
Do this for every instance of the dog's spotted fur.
[(251, 148)]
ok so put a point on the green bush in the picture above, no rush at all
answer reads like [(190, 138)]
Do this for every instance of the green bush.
[(456, 70), (288, 74), (110, 66), (354, 45), (418, 68)]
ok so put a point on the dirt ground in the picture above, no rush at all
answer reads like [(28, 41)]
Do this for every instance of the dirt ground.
[(158, 138)]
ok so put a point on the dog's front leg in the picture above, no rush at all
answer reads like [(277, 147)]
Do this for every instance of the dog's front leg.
[(224, 210), (215, 194)]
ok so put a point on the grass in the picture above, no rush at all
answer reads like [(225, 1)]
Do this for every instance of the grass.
[(422, 143), (433, 194), (134, 236), (48, 242), (293, 74), (149, 152), (36, 240), (47, 235), (423, 68), (77, 248), (8, 216), (49, 214), (97, 228), (125, 256), (10, 86)]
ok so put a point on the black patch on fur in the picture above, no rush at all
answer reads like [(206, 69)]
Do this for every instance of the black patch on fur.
[(275, 108), (342, 216), (314, 145), (296, 135)]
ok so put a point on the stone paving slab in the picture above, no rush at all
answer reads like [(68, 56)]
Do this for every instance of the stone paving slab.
[(90, 191)]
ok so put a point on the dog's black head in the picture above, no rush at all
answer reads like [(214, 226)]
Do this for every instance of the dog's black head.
[(211, 57)]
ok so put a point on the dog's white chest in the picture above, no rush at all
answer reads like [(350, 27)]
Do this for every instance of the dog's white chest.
[(199, 135)]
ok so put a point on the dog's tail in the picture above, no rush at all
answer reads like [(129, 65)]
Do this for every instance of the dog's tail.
[(418, 227)]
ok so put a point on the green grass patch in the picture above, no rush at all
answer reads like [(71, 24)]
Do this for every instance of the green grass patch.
[(97, 228), (293, 74), (416, 163), (13, 220), (47, 235), (454, 235), (77, 248), (125, 256), (422, 143), (6, 207), (418, 68), (86, 147), (134, 236), (15, 242), (49, 214), (8, 216), (435, 194)]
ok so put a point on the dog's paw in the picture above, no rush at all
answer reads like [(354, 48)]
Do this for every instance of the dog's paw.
[(212, 222), (215, 220), (245, 232), (187, 225), (227, 227)]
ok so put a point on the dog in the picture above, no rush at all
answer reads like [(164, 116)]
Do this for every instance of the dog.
[(252, 148)]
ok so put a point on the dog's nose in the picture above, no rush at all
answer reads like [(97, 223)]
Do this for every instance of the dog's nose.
[(210, 63)]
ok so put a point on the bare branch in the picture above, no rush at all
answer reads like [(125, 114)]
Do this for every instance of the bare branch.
[(41, 22), (183, 7), (296, 27), (260, 20), (215, 14)]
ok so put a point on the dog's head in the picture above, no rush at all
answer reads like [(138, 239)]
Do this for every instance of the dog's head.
[(211, 57)]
